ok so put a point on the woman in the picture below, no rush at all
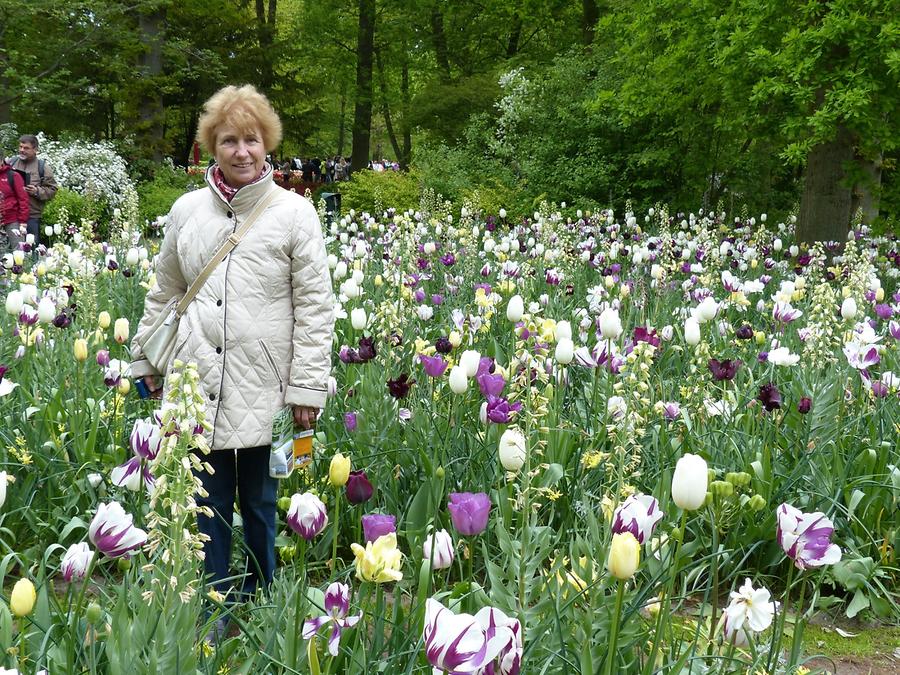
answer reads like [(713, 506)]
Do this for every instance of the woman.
[(13, 206), (259, 329)]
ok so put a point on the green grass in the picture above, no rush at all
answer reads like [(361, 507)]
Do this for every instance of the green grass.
[(865, 643)]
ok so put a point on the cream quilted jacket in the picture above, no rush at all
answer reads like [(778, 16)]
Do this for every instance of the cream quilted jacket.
[(260, 328)]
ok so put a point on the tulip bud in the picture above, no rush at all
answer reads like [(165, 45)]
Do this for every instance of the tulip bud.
[(104, 320), (339, 470), (624, 556), (512, 449), (458, 380), (879, 294), (563, 330), (81, 349), (692, 332), (848, 309), (23, 597), (689, 482), (469, 362), (358, 318), (121, 331), (124, 386), (565, 351), (455, 338), (441, 557), (515, 309)]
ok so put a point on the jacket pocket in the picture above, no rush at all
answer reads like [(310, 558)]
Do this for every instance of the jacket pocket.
[(272, 365)]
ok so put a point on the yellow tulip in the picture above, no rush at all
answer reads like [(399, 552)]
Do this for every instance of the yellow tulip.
[(455, 338), (124, 386), (121, 331), (103, 320), (81, 349), (624, 556), (379, 561), (339, 470), (23, 597)]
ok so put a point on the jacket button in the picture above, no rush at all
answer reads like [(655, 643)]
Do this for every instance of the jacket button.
[(212, 397), (218, 303), (231, 214), (218, 350)]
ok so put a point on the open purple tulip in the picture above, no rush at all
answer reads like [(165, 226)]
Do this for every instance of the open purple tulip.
[(375, 525)]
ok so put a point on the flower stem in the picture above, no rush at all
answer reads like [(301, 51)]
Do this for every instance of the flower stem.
[(614, 629), (779, 632), (797, 640), (714, 596), (335, 527), (298, 602)]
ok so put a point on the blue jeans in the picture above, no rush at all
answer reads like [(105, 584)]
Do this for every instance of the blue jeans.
[(34, 227), (248, 473)]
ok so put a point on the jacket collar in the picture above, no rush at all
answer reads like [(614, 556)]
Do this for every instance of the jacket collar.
[(246, 197)]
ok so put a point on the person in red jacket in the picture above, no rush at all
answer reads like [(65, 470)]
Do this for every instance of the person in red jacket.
[(13, 208)]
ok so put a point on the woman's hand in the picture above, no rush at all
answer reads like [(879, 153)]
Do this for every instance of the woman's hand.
[(305, 416)]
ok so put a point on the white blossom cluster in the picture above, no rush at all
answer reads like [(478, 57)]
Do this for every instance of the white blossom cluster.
[(91, 169)]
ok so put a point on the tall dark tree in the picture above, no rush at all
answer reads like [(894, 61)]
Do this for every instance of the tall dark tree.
[(362, 113)]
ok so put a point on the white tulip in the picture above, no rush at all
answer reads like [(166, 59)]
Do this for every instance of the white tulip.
[(689, 482), (442, 557), (358, 318), (512, 449), (132, 257), (565, 351), (340, 270), (515, 309), (706, 310), (469, 362), (2, 488), (46, 310), (692, 332), (503, 213), (458, 380), (563, 330), (14, 303), (848, 309), (777, 244), (610, 324)]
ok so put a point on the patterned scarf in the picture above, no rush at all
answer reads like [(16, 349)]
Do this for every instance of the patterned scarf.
[(227, 191)]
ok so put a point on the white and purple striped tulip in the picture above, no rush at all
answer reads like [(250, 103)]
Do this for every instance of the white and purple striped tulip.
[(457, 643), (639, 515), (128, 475), (894, 329), (337, 606), (306, 515), (113, 532), (509, 660), (76, 561), (785, 313), (806, 537), (443, 550), (145, 439)]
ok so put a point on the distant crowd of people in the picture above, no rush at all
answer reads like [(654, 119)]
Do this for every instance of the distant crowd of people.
[(330, 170)]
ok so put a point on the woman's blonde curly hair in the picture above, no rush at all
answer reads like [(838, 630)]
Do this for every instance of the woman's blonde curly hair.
[(244, 108)]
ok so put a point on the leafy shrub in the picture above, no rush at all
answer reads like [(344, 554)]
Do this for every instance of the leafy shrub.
[(369, 189), (67, 208), (157, 195)]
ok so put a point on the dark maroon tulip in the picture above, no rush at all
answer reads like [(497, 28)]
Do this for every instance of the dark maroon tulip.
[(770, 397), (442, 345), (376, 525), (366, 349), (400, 387), (641, 334), (469, 512), (724, 370), (359, 489), (804, 406), (3, 370), (745, 332)]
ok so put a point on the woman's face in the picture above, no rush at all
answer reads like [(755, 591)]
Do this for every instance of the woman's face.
[(240, 155)]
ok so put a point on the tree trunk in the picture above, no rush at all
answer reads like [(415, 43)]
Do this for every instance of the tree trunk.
[(590, 14), (867, 192), (405, 158), (342, 121), (442, 54), (362, 113), (385, 106), (151, 137), (825, 204), (265, 30), (512, 46)]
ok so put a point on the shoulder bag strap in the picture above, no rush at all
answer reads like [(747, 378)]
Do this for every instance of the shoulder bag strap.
[(233, 239)]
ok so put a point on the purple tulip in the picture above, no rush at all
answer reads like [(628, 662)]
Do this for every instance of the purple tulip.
[(469, 512), (894, 329), (307, 515), (113, 532), (366, 349), (337, 606), (350, 421), (3, 370), (671, 410), (102, 358), (437, 299), (804, 405), (500, 411), (806, 537), (490, 385), (434, 365), (359, 489), (639, 515), (375, 525), (884, 311), (745, 332)]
